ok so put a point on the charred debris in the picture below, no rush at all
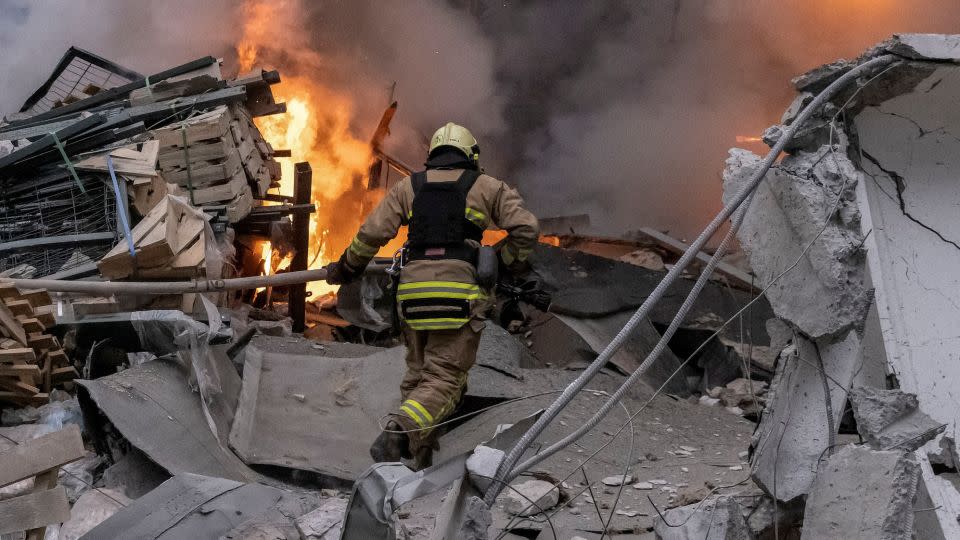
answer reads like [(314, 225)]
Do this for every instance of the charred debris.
[(806, 394)]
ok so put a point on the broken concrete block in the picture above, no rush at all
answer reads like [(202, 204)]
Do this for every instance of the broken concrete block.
[(817, 79), (718, 518), (794, 432), (325, 522), (825, 292), (91, 509), (862, 493), (518, 497), (617, 480), (925, 46), (482, 466), (891, 419)]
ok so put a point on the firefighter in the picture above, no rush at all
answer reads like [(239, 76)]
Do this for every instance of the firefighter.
[(441, 305)]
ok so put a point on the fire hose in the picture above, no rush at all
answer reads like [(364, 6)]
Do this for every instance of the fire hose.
[(106, 288), (506, 469)]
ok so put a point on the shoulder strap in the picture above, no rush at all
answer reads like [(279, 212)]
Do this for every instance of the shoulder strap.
[(466, 181), (418, 179)]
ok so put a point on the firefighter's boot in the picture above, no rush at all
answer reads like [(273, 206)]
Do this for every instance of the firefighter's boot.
[(390, 446)]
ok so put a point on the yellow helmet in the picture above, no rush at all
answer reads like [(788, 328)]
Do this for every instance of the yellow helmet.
[(458, 137)]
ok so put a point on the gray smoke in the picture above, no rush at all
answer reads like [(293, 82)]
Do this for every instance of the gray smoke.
[(623, 109)]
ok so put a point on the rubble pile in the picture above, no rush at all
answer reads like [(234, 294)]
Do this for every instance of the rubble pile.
[(802, 397), (850, 235)]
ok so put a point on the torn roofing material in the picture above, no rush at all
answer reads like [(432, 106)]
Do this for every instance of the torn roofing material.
[(320, 413), (194, 506), (152, 406)]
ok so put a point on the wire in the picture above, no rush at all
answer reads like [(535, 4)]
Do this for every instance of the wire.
[(507, 465)]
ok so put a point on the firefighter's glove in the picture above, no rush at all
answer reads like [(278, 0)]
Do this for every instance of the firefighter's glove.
[(341, 273)]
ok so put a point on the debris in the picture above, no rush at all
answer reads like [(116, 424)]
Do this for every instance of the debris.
[(92, 509), (794, 431), (643, 485), (152, 406), (324, 522), (891, 419), (40, 459), (864, 492), (193, 506), (516, 499), (617, 480), (718, 518)]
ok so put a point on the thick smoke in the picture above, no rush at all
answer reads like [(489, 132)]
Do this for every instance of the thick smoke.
[(622, 109)]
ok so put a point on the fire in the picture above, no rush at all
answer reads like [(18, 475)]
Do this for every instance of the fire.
[(316, 129), (748, 139)]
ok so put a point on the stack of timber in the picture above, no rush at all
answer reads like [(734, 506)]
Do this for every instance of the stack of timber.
[(218, 157), (32, 361), (78, 172), (30, 469)]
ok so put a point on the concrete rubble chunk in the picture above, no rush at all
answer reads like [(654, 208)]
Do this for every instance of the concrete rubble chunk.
[(863, 493), (825, 293), (891, 419), (925, 46), (819, 78), (519, 496), (793, 432), (718, 518), (325, 522), (617, 480)]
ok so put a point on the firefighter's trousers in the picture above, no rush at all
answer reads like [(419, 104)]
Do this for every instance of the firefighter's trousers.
[(437, 366)]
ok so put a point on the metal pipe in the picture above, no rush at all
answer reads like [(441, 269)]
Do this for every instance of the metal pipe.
[(106, 288)]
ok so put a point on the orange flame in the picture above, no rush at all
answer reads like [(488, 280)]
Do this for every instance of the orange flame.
[(748, 139), (316, 129)]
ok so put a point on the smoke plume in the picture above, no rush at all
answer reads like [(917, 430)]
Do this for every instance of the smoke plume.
[(620, 109)]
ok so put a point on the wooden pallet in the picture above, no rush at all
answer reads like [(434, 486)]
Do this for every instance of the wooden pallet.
[(32, 361), (46, 502)]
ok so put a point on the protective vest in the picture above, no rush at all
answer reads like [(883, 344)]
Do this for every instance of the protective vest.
[(438, 230), (439, 227)]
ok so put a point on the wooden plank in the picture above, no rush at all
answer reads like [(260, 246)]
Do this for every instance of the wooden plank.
[(9, 290), (676, 246), (58, 357), (207, 172), (45, 314), (34, 510), (11, 325), (217, 149), (35, 400), (42, 341), (27, 373), (211, 125), (31, 325), (63, 374), (44, 481), (222, 192), (36, 297), (18, 356), (41, 454), (20, 307), (19, 387), (117, 263)]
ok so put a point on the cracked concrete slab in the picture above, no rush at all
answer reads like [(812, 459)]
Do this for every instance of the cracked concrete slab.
[(863, 493), (891, 419), (824, 293), (795, 430)]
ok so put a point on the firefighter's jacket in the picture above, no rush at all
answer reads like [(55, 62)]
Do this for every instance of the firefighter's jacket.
[(489, 202)]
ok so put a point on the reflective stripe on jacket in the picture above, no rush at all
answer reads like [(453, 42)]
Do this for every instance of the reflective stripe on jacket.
[(443, 294)]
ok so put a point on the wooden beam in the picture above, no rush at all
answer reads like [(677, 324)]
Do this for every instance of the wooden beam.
[(42, 341), (35, 456), (27, 373), (18, 356), (35, 400), (20, 307), (34, 510), (31, 326), (13, 385)]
